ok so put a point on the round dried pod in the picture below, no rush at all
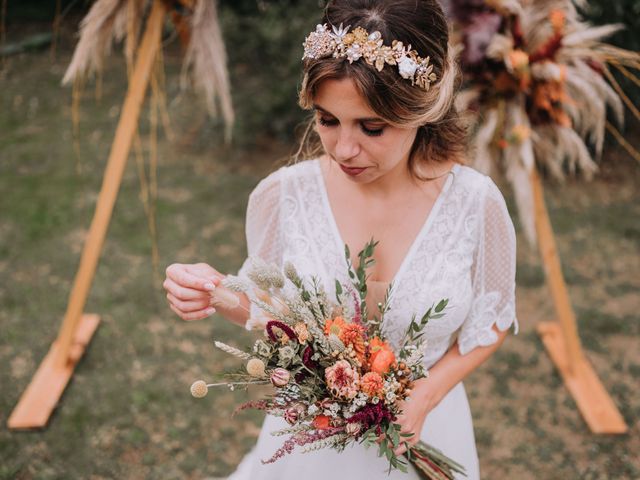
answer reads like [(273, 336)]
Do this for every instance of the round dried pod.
[(280, 377), (255, 367), (353, 428), (199, 389)]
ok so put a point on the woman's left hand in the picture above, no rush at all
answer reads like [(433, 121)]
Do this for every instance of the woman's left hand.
[(414, 413)]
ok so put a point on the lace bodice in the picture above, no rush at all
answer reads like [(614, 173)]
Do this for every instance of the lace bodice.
[(465, 251)]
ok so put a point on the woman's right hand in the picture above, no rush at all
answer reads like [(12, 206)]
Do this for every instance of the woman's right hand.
[(189, 288)]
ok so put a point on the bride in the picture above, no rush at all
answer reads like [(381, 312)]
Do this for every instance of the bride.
[(388, 165)]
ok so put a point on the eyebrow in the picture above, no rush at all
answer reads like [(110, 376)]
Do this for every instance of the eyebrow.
[(366, 119)]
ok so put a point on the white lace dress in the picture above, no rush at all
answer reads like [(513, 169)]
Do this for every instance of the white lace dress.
[(465, 252)]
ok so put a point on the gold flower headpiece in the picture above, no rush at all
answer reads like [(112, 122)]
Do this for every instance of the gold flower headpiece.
[(339, 43)]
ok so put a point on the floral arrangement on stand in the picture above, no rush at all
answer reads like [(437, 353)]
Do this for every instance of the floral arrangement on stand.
[(336, 380), (537, 88)]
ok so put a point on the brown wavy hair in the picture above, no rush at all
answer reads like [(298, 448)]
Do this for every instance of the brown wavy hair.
[(422, 24)]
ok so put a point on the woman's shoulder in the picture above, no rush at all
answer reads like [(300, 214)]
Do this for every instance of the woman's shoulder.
[(480, 185), (272, 184)]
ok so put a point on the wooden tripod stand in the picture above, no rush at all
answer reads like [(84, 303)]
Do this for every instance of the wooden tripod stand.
[(41, 396), (561, 337)]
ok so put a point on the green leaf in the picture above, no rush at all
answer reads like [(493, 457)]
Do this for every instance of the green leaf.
[(441, 306)]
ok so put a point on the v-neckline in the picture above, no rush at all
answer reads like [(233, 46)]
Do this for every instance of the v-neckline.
[(426, 226)]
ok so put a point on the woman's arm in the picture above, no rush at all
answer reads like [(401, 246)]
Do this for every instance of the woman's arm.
[(447, 372)]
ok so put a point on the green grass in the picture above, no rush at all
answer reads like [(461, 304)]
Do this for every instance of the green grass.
[(127, 412)]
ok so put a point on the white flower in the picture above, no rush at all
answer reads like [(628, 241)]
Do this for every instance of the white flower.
[(340, 31), (407, 67), (312, 410)]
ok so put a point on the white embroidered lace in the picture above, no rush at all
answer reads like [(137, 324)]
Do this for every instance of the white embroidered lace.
[(465, 252)]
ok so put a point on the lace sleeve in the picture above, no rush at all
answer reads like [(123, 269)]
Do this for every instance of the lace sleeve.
[(263, 231), (493, 275)]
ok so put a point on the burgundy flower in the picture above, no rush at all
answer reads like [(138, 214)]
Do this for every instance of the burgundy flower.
[(285, 328), (372, 416)]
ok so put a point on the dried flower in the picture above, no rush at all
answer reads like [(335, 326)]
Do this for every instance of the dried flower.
[(342, 380), (262, 348), (199, 389), (301, 332), (255, 367), (322, 422), (334, 325), (372, 384), (286, 354), (280, 377), (353, 428)]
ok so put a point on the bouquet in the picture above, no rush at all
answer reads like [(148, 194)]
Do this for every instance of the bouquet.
[(336, 379)]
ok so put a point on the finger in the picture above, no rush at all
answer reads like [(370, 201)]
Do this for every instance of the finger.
[(193, 315), (189, 306), (182, 276), (183, 293), (207, 271), (402, 448)]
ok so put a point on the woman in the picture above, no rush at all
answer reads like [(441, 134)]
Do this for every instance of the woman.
[(391, 148)]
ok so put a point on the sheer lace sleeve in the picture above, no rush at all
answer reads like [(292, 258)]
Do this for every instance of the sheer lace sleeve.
[(493, 274), (263, 230)]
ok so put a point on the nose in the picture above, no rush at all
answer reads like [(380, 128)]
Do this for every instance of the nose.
[(347, 145)]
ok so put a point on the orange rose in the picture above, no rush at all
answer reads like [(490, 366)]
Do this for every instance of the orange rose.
[(381, 356), (321, 422), (382, 362)]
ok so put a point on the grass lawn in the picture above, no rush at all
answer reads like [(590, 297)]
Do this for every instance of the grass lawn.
[(127, 412)]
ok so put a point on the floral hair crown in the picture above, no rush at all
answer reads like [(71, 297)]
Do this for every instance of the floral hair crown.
[(339, 43)]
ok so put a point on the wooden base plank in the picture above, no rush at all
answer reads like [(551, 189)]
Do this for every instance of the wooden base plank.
[(595, 404), (43, 393)]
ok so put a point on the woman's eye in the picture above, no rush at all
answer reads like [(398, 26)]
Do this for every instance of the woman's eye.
[(331, 122), (327, 122), (372, 132)]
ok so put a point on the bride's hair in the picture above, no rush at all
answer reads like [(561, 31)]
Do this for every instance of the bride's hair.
[(422, 24)]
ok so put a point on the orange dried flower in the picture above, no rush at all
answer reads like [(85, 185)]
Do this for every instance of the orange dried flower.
[(334, 325), (372, 384), (353, 334), (321, 422), (557, 19)]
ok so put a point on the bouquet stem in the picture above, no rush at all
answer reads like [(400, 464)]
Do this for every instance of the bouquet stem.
[(432, 464)]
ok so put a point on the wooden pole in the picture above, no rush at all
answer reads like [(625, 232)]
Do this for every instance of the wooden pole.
[(40, 397), (553, 270), (561, 337), (120, 149)]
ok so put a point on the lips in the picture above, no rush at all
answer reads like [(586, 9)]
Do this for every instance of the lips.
[(353, 171)]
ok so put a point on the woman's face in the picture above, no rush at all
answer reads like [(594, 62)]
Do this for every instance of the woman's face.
[(364, 145)]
